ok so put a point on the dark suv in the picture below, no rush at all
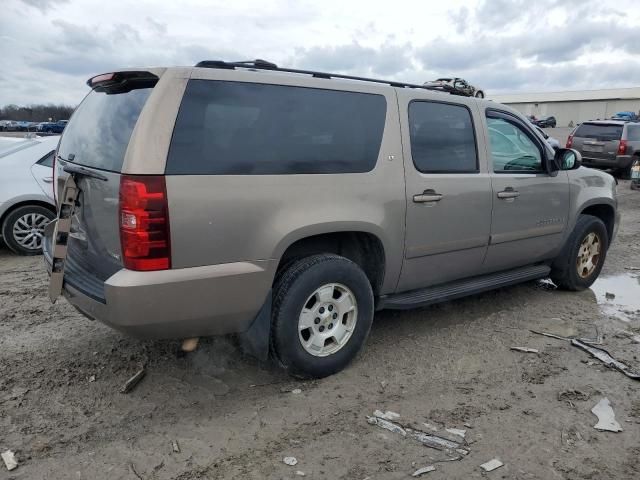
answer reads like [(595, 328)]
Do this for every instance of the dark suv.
[(611, 144)]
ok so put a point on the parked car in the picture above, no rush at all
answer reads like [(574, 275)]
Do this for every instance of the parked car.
[(8, 125), (288, 207), (459, 85), (26, 191), (53, 127), (629, 116), (610, 144), (545, 122)]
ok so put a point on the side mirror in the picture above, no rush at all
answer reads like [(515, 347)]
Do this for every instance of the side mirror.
[(567, 159)]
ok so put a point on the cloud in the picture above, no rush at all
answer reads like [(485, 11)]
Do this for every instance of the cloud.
[(43, 5)]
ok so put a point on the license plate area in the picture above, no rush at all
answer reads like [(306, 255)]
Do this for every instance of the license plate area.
[(592, 148)]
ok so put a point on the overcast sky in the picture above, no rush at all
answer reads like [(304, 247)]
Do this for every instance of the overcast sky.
[(48, 48)]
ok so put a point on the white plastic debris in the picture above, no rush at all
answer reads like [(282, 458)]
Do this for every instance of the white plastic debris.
[(525, 349), (296, 391), (388, 415), (291, 461), (300, 473), (387, 425), (606, 417), (457, 431), (9, 460), (423, 470), (175, 446), (491, 465), (430, 426)]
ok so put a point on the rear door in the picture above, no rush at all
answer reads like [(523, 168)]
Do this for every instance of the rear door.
[(93, 149), (448, 192), (597, 141), (530, 206)]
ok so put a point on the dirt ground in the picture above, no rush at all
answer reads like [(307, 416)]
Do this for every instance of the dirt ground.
[(61, 411)]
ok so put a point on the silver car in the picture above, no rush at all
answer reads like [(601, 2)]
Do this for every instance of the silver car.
[(26, 191), (288, 206)]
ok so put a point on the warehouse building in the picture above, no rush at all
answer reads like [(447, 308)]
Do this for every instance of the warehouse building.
[(571, 108)]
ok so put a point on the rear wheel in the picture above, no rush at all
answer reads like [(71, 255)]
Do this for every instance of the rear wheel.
[(581, 260), (322, 314), (479, 94), (23, 228)]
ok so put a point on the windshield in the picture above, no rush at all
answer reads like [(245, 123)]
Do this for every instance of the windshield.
[(98, 134), (599, 131)]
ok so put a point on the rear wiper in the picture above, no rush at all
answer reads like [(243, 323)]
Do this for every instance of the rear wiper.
[(77, 170)]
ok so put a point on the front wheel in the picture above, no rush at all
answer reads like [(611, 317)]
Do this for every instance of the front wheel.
[(581, 260), (23, 229), (321, 317)]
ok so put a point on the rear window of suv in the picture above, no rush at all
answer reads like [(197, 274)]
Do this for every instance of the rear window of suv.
[(234, 128), (98, 134), (599, 131)]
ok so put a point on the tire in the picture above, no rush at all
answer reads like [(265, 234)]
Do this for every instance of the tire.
[(479, 94), (317, 284), (21, 219), (565, 271), (624, 173)]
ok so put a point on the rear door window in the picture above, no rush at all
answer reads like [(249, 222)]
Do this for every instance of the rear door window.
[(601, 132), (234, 128), (442, 138), (98, 134), (633, 133)]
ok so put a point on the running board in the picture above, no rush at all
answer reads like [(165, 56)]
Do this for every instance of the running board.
[(461, 288)]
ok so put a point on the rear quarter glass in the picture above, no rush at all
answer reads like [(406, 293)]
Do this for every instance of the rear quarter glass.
[(98, 134), (235, 128)]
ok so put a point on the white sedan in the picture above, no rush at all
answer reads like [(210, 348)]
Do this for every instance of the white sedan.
[(26, 191)]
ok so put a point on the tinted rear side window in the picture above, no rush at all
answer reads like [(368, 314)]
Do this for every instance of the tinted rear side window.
[(99, 132), (232, 128), (633, 133), (601, 132), (442, 138)]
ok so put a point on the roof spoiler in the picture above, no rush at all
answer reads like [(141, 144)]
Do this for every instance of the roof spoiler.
[(121, 82)]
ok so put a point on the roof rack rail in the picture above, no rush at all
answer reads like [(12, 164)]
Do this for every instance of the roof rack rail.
[(260, 64)]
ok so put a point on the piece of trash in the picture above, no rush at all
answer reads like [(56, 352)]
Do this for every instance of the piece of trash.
[(189, 344), (566, 339), (388, 415), (606, 358), (606, 417), (431, 427), (427, 439), (632, 268), (296, 391), (609, 296), (92, 378), (175, 446), (491, 465), (291, 461), (457, 431), (525, 349), (300, 473), (468, 425), (423, 470), (9, 460), (133, 381)]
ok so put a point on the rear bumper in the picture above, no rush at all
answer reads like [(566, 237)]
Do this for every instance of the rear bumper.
[(620, 161), (180, 303)]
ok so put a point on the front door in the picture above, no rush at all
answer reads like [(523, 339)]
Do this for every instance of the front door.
[(448, 194), (530, 205)]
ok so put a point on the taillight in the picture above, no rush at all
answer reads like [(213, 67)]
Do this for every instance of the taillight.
[(569, 141), (622, 148), (144, 223)]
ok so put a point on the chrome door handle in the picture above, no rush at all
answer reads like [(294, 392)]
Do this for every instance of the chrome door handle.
[(47, 179), (508, 192), (428, 195)]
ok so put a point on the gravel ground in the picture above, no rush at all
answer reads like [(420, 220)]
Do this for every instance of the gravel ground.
[(450, 365)]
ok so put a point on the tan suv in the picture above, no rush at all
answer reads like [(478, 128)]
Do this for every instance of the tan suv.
[(287, 206)]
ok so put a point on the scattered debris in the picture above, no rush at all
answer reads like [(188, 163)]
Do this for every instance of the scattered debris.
[(632, 268), (457, 431), (429, 426), (525, 349), (429, 440), (175, 446), (388, 415), (134, 471), (609, 296), (189, 344), (423, 470), (491, 465), (92, 378), (300, 473), (468, 425), (133, 381), (606, 358), (570, 395), (566, 339), (9, 460), (291, 461), (606, 417), (296, 391)]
